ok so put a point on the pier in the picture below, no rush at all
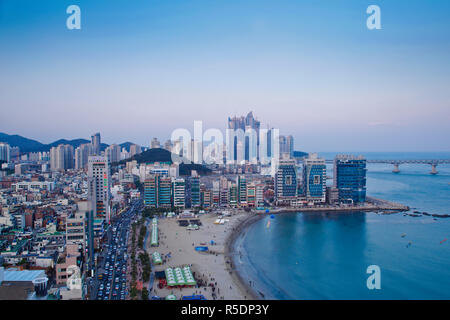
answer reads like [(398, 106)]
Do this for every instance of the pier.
[(371, 205)]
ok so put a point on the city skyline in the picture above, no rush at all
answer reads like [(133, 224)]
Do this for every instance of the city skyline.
[(300, 66)]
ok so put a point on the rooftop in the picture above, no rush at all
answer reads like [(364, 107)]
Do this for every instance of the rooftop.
[(24, 275)]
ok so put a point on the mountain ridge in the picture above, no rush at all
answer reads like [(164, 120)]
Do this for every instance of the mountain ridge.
[(30, 145)]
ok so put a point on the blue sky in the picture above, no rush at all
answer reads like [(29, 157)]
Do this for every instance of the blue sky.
[(139, 69)]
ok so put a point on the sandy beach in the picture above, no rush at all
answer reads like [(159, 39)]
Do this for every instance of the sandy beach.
[(214, 267)]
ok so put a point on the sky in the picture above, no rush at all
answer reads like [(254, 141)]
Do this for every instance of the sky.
[(140, 69)]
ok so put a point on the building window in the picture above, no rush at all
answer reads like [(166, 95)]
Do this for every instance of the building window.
[(316, 179)]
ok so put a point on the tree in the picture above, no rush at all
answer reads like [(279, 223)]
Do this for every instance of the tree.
[(133, 292), (144, 294)]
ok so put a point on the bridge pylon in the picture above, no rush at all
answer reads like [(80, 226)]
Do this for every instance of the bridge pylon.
[(433, 169), (396, 169)]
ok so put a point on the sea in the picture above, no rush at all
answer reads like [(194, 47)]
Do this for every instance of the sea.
[(326, 256)]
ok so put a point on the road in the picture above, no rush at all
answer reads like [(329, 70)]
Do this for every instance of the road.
[(110, 278)]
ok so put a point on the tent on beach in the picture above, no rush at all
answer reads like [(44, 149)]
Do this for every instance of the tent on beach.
[(154, 240), (156, 257)]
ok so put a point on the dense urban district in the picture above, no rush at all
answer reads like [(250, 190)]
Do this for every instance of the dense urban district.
[(93, 221)]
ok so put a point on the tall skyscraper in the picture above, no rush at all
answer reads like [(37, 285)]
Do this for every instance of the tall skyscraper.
[(96, 144), (151, 192), (350, 178), (82, 154), (113, 153), (135, 149), (286, 182), (62, 157), (286, 146), (178, 191), (244, 123), (193, 191), (314, 178), (5, 152), (242, 190), (158, 191), (99, 183)]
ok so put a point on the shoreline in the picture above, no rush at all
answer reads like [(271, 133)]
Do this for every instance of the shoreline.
[(229, 255), (220, 274), (388, 207), (177, 247)]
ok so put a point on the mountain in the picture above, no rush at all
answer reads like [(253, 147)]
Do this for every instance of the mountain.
[(25, 145), (29, 145), (162, 155), (74, 143)]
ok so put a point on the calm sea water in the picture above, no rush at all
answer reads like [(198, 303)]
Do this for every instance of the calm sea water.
[(325, 256)]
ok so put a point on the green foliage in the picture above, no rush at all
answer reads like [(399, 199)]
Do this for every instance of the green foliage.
[(144, 294), (134, 291)]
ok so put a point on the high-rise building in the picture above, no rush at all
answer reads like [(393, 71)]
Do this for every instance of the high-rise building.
[(135, 149), (350, 178), (193, 198), (96, 144), (286, 181), (178, 191), (164, 192), (155, 143), (242, 190), (14, 153), (113, 153), (158, 191), (151, 192), (5, 152), (246, 147), (216, 193), (62, 157), (251, 195), (82, 154), (233, 195), (206, 198), (168, 145), (314, 179), (286, 146), (99, 183), (224, 192), (259, 194)]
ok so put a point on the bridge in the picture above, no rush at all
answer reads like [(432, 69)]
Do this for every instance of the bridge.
[(396, 163)]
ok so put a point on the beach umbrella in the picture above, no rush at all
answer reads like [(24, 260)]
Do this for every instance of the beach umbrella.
[(272, 216)]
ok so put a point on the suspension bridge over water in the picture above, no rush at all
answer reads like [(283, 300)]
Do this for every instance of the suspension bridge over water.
[(396, 163)]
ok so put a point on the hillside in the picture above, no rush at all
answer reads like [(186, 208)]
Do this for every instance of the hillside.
[(162, 155), (23, 143), (30, 145)]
